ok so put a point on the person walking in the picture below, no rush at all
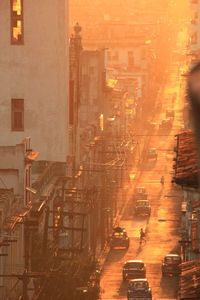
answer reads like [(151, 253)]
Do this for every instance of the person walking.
[(142, 236), (162, 180)]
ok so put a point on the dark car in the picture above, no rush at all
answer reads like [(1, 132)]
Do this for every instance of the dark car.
[(166, 124), (119, 238), (171, 264), (142, 208), (133, 269), (139, 289), (140, 193)]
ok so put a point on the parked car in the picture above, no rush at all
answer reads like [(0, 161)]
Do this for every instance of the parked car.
[(133, 269), (139, 289), (171, 264), (151, 125), (152, 153), (119, 238), (140, 193), (170, 113), (166, 124), (142, 208)]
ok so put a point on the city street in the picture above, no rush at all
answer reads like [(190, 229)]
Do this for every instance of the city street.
[(162, 228), (99, 150)]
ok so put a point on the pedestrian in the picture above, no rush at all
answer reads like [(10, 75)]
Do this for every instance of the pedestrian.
[(142, 236), (162, 180)]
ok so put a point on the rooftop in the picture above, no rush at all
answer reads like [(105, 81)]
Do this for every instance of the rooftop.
[(189, 286), (186, 168)]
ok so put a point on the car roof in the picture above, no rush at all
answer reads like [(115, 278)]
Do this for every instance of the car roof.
[(119, 228), (142, 201), (138, 280), (140, 187), (134, 261), (172, 255)]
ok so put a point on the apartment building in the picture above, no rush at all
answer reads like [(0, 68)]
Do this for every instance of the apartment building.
[(194, 42), (34, 75)]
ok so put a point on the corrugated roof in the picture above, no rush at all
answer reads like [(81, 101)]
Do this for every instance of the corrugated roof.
[(189, 285), (186, 169)]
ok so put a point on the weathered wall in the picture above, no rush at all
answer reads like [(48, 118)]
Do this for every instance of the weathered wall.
[(12, 168), (37, 72)]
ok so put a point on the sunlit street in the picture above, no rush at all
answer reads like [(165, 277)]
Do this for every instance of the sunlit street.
[(100, 149)]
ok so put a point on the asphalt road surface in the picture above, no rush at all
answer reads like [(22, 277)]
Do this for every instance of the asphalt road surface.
[(163, 227)]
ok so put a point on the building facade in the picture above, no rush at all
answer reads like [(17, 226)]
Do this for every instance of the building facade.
[(194, 42), (34, 75)]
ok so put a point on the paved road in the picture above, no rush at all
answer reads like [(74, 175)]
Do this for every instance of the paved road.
[(163, 226)]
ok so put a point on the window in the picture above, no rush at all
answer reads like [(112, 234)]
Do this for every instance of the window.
[(17, 114), (115, 57), (109, 56), (130, 59), (17, 36), (194, 19), (194, 38), (91, 70)]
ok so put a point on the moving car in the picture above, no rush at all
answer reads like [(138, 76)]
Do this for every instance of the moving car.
[(139, 289), (119, 238), (142, 208), (133, 269), (152, 153), (140, 193), (166, 124), (171, 264)]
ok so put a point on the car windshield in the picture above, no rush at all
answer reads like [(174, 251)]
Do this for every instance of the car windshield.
[(138, 285), (140, 190), (118, 229), (119, 234), (135, 265), (142, 203), (172, 259)]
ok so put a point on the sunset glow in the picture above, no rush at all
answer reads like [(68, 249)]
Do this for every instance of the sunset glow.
[(99, 149)]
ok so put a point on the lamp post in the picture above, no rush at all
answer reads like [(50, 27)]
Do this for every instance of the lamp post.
[(75, 54)]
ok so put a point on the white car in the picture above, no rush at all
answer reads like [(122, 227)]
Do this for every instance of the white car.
[(140, 193), (152, 153)]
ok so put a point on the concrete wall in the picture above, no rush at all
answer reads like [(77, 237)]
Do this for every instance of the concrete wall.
[(12, 168), (37, 72), (92, 87)]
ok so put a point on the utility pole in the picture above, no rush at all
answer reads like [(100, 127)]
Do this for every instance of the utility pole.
[(75, 54), (103, 187)]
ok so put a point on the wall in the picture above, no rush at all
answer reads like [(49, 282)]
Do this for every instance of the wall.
[(139, 55), (92, 86), (12, 168), (37, 72), (13, 263)]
